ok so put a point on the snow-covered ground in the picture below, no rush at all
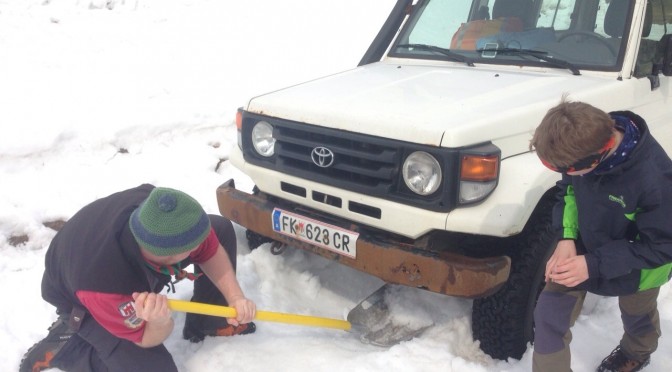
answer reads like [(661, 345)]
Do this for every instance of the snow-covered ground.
[(97, 96)]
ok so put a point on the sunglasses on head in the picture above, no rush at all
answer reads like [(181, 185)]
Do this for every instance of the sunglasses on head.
[(587, 162)]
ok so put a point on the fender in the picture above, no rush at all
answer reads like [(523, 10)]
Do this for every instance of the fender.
[(523, 181)]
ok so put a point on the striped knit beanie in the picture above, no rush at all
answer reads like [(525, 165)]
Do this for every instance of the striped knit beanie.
[(169, 222)]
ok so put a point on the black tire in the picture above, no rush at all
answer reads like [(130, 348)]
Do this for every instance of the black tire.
[(504, 321), (254, 240)]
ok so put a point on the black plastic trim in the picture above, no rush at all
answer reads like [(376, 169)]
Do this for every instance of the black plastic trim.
[(363, 164)]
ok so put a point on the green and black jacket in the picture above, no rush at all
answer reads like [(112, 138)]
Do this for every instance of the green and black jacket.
[(622, 219)]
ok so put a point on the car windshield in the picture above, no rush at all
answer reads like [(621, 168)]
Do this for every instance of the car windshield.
[(571, 34)]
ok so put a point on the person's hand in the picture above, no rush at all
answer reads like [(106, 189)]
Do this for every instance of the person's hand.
[(245, 311), (571, 272), (151, 307), (564, 250)]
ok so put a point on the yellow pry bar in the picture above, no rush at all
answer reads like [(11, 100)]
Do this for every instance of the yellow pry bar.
[(229, 312)]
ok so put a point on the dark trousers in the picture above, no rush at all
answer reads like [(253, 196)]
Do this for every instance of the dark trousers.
[(558, 308), (94, 349), (204, 289)]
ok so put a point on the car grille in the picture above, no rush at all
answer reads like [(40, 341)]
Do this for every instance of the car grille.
[(364, 164), (359, 161)]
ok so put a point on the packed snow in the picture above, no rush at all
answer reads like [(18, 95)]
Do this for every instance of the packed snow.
[(97, 96)]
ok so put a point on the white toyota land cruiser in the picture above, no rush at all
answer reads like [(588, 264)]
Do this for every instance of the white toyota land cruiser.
[(415, 166)]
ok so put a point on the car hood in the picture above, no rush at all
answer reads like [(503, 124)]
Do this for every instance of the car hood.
[(441, 105)]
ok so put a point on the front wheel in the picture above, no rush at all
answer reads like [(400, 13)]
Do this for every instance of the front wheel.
[(504, 321)]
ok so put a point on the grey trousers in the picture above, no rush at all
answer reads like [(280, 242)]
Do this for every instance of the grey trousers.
[(558, 308)]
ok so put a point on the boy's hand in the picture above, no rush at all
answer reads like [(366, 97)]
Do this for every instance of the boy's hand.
[(245, 311), (564, 250), (571, 272), (151, 307)]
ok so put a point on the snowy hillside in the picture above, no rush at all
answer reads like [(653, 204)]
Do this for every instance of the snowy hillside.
[(97, 96)]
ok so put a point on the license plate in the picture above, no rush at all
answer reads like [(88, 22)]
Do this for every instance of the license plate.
[(318, 233)]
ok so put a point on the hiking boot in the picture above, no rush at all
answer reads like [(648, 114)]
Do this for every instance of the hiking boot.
[(617, 361), (41, 355), (197, 336)]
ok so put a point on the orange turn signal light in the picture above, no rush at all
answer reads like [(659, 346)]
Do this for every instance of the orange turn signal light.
[(479, 167), (239, 120)]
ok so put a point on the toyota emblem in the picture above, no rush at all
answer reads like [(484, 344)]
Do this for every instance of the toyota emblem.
[(322, 157)]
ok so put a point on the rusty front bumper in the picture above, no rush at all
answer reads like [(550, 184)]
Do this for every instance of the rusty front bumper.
[(446, 273)]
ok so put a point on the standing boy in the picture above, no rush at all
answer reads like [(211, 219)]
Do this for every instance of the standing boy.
[(614, 222)]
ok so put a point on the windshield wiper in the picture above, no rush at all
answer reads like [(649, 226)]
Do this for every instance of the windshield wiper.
[(446, 52), (538, 54)]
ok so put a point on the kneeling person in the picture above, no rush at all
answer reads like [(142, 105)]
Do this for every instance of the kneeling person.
[(104, 272)]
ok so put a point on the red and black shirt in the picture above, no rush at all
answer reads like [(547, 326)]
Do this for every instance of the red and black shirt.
[(95, 263)]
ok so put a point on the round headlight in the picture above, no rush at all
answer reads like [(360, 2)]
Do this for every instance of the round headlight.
[(262, 139), (422, 173)]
